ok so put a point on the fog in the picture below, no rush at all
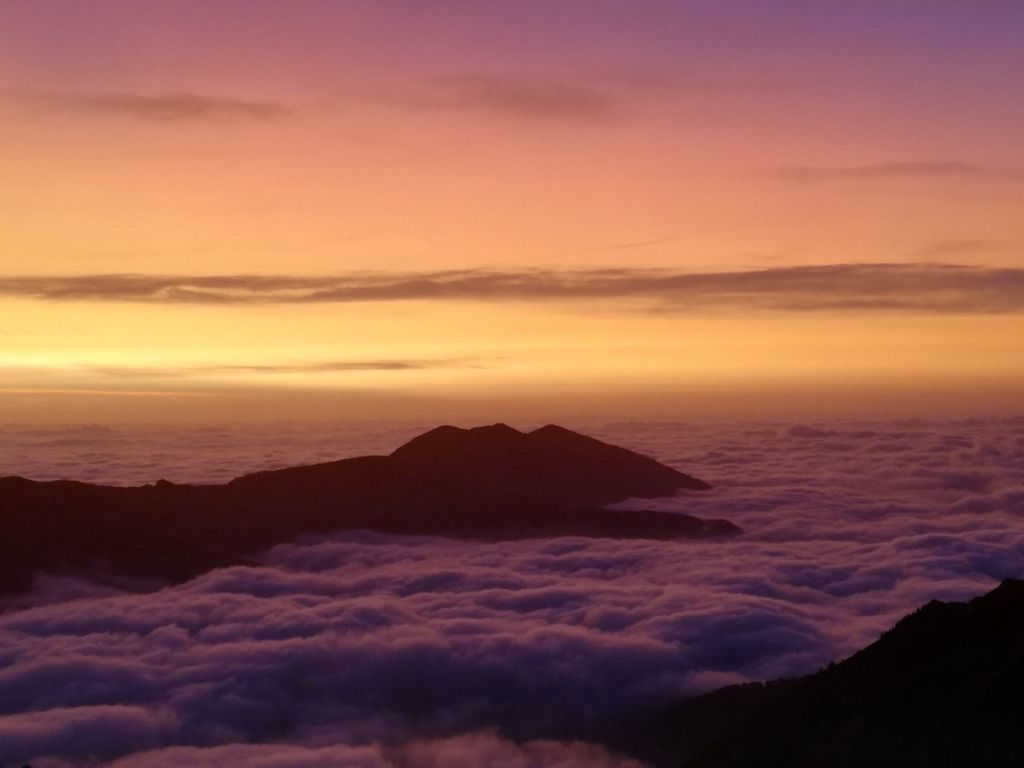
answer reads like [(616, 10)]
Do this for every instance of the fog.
[(371, 650)]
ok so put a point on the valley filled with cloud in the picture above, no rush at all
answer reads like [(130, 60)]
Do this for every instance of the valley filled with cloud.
[(382, 651)]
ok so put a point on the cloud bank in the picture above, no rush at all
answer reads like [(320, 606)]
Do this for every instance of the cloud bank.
[(408, 651), (924, 287)]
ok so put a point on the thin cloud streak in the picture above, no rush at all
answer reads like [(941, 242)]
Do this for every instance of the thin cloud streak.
[(506, 95), (526, 98), (163, 108), (587, 98), (168, 394), (964, 246), (922, 287), (333, 366), (593, 97), (896, 171)]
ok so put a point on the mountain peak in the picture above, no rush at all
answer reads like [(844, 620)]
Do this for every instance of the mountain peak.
[(552, 429), (450, 440)]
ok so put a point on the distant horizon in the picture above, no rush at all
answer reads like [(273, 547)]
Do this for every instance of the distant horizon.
[(140, 453), (69, 408)]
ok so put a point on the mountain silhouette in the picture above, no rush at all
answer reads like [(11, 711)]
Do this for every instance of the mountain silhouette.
[(941, 689), (489, 482)]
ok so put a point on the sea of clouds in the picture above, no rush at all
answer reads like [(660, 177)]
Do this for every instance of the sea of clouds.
[(362, 649)]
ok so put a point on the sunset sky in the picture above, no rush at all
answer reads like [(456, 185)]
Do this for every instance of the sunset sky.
[(522, 210)]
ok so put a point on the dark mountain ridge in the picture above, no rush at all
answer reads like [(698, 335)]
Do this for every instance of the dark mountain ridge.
[(941, 689), (489, 482)]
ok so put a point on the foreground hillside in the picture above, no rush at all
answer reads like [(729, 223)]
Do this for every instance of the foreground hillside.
[(942, 688)]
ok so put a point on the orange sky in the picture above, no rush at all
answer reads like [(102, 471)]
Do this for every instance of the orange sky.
[(707, 156)]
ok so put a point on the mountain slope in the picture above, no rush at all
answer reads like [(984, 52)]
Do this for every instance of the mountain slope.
[(490, 482), (942, 688)]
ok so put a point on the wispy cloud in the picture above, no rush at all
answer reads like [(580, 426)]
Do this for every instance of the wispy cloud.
[(330, 366), (519, 96), (648, 243), (963, 247), (167, 107), (923, 287), (903, 170), (584, 97), (89, 392)]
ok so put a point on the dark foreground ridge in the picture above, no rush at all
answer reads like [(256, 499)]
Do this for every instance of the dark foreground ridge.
[(942, 689), (490, 482)]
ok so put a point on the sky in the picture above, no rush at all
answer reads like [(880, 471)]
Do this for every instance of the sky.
[(531, 210)]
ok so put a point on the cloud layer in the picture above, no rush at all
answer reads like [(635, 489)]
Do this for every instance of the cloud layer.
[(411, 651), (921, 287), (468, 751)]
